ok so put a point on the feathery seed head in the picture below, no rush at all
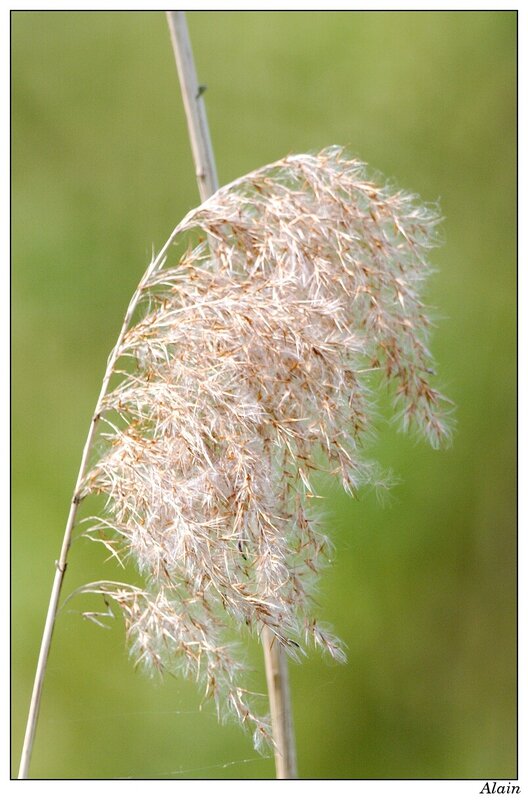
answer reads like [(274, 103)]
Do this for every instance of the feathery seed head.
[(252, 360)]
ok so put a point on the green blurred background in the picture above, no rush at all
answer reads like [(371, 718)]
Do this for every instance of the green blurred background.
[(423, 589)]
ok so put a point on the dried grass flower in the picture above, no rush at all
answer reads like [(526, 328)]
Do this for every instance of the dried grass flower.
[(248, 369)]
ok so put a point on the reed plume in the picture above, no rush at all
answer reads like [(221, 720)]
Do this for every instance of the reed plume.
[(248, 367)]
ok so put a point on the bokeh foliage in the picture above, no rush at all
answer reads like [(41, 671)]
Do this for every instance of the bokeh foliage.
[(423, 588)]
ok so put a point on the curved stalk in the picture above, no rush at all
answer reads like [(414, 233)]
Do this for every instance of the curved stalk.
[(62, 562)]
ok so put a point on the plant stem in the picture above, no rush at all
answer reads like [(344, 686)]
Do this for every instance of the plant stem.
[(280, 705), (60, 569), (274, 655), (194, 105), (61, 563)]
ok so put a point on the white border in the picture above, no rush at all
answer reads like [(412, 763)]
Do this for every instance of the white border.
[(359, 790)]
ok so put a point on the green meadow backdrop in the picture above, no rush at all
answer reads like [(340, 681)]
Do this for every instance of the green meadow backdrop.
[(423, 588)]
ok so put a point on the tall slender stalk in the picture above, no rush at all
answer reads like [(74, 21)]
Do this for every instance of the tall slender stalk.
[(62, 563), (206, 176), (280, 705), (194, 105)]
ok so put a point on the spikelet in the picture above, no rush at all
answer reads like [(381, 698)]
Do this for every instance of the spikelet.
[(250, 368)]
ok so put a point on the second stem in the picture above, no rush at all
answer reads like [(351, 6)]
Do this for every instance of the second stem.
[(274, 655)]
